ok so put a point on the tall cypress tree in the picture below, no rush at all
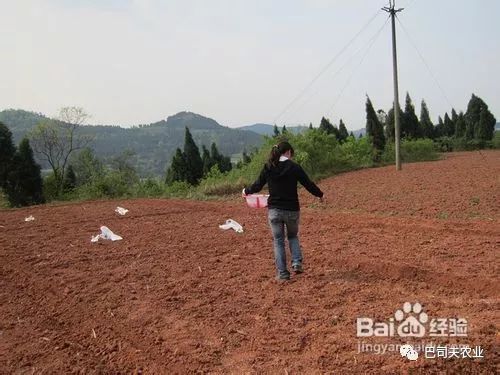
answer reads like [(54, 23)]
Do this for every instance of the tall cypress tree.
[(178, 168), (7, 152), (328, 128), (373, 127), (460, 126), (223, 162), (193, 159), (343, 134), (425, 121), (24, 182), (389, 124), (439, 129), (486, 126), (448, 126), (410, 125), (276, 131), (207, 160), (480, 122)]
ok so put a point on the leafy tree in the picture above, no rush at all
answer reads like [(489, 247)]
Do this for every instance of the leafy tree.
[(87, 167), (310, 126), (343, 134), (193, 159), (24, 181), (7, 152), (425, 121), (124, 165), (374, 128), (351, 134), (69, 179), (56, 140), (284, 130), (178, 169), (410, 125)]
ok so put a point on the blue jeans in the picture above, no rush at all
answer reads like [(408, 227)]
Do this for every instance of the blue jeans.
[(278, 220)]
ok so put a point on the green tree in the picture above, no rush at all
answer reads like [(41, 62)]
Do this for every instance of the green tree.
[(223, 162), (178, 170), (448, 126), (343, 134), (193, 159), (246, 158), (310, 126), (439, 129), (276, 131), (410, 125), (24, 181), (374, 128), (284, 130), (87, 167), (425, 121), (69, 179), (486, 126), (326, 126), (208, 163), (460, 126), (389, 131), (475, 127), (7, 152), (56, 140)]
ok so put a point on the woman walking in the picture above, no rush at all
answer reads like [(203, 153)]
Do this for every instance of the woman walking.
[(282, 174)]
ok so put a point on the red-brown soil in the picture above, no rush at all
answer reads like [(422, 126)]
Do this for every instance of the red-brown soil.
[(179, 295)]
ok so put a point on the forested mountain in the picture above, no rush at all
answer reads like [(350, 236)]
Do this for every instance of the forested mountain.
[(154, 144)]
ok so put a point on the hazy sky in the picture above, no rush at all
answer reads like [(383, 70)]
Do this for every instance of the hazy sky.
[(243, 61)]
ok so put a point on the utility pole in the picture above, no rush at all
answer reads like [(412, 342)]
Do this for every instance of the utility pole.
[(392, 10)]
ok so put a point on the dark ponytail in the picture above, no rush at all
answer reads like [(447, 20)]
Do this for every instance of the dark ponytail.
[(278, 150)]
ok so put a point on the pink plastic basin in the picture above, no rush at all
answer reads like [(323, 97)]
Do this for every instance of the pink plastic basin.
[(257, 200)]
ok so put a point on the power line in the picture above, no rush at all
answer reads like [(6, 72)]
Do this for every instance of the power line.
[(372, 42), (327, 66), (369, 44), (425, 63)]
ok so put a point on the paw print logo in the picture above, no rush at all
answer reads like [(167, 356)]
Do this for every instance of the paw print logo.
[(411, 326), (408, 352)]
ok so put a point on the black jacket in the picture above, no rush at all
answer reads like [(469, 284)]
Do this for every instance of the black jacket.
[(282, 181)]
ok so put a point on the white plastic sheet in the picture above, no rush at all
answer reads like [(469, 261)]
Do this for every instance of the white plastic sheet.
[(106, 234), (29, 218), (231, 224), (121, 211)]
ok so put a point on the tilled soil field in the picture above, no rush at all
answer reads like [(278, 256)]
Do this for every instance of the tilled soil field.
[(180, 295)]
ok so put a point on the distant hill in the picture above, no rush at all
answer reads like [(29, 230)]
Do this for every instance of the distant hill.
[(154, 144), (266, 129)]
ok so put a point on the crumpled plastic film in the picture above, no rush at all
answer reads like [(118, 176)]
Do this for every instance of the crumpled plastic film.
[(231, 224)]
